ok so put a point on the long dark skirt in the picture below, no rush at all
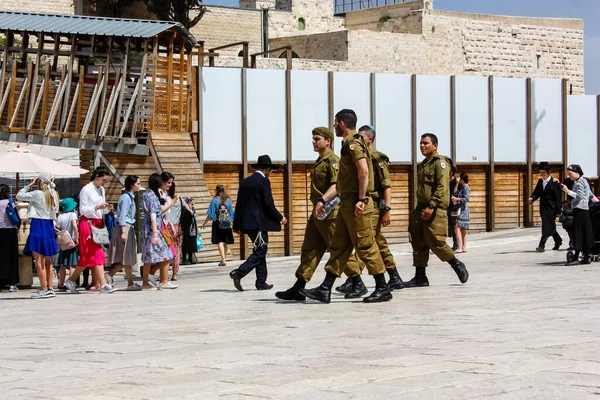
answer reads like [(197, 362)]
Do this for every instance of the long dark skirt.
[(221, 235), (9, 248), (582, 229)]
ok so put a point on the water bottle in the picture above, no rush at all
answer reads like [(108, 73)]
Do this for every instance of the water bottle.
[(329, 206)]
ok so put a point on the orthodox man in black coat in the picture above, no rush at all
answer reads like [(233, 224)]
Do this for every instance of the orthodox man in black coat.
[(549, 193), (255, 216)]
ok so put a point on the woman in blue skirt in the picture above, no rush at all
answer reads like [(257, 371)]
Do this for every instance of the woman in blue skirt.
[(41, 243)]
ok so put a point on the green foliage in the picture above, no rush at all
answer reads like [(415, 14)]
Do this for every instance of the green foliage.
[(177, 10), (384, 18)]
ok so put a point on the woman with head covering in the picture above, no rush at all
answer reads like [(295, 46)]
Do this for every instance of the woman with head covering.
[(9, 244), (92, 207), (582, 225), (41, 242)]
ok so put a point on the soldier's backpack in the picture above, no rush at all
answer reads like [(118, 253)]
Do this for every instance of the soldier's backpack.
[(223, 218)]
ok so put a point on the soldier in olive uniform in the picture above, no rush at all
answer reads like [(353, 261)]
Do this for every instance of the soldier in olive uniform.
[(318, 233), (353, 227), (382, 198), (428, 223)]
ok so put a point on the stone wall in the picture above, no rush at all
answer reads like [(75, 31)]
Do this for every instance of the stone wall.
[(398, 18), (50, 7), (324, 46)]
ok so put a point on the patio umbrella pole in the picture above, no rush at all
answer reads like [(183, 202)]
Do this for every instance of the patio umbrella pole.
[(17, 185)]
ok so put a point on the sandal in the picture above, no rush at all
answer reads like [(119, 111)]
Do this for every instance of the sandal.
[(174, 278), (458, 251)]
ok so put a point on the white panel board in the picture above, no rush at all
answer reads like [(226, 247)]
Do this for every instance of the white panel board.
[(472, 119), (393, 116), (582, 125), (310, 109), (433, 111), (352, 90), (510, 120), (221, 114), (266, 114), (546, 119)]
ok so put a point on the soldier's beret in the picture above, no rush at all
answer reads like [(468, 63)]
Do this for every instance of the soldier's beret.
[(322, 131)]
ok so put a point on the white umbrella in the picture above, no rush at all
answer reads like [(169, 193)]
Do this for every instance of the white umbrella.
[(20, 160)]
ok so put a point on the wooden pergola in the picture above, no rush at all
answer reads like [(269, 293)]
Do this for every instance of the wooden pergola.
[(93, 83)]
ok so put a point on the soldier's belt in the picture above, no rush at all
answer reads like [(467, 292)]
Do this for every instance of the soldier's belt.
[(349, 197)]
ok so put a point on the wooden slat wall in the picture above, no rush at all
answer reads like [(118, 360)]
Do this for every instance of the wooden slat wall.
[(478, 203), (509, 187), (397, 231), (301, 203)]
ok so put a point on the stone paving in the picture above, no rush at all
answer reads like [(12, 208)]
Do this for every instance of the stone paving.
[(524, 327)]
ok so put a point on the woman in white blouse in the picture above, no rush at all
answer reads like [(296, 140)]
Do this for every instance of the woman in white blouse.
[(41, 242), (92, 208)]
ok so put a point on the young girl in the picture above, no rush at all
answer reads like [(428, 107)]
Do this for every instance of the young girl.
[(67, 221), (41, 242)]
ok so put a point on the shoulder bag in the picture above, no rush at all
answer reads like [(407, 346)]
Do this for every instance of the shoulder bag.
[(99, 235)]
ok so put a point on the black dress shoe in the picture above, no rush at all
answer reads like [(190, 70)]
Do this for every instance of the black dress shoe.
[(319, 294), (345, 287), (461, 271), (290, 295), (236, 280), (540, 249), (557, 246), (571, 263), (264, 286), (358, 290), (585, 261), (417, 282), (379, 295)]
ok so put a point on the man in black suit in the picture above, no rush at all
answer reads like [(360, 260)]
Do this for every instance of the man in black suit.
[(255, 216), (549, 193)]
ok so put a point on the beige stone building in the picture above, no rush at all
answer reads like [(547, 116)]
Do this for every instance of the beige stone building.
[(411, 37)]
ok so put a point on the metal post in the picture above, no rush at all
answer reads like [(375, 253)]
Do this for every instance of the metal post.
[(244, 171), (491, 220), (529, 146)]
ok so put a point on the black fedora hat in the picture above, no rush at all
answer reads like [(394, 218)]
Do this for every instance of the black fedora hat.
[(264, 161), (545, 166)]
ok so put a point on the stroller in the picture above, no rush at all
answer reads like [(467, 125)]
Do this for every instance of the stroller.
[(566, 219)]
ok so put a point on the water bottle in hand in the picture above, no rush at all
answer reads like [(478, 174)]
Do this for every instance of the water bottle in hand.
[(329, 206)]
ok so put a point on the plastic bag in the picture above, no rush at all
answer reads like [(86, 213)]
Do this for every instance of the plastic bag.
[(199, 243)]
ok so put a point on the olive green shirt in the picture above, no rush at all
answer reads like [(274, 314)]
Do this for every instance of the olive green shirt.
[(323, 175), (381, 173), (434, 182), (353, 149)]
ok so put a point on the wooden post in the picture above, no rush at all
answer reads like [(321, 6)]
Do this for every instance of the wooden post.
[(45, 88), (528, 215), (565, 126), (289, 232), (453, 118), (56, 49), (330, 103), (80, 99), (288, 56), (182, 98), (122, 92), (138, 104), (169, 83), (63, 119), (201, 54), (30, 83), (491, 218), (24, 45), (13, 89), (414, 141), (200, 112), (38, 61), (38, 100), (244, 172), (245, 50), (104, 88), (155, 55)]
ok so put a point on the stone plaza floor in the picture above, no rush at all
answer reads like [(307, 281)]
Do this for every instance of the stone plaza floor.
[(523, 327)]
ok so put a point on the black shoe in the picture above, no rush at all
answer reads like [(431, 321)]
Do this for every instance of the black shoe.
[(540, 249), (417, 282), (236, 280), (186, 263), (319, 294), (379, 295), (395, 282), (290, 295), (358, 290), (585, 261), (557, 246), (346, 287), (461, 271), (571, 263), (264, 286), (571, 248)]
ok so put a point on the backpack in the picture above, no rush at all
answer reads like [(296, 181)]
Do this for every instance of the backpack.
[(13, 216), (223, 218), (64, 240)]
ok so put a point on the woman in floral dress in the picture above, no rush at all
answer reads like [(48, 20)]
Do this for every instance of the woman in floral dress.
[(155, 252)]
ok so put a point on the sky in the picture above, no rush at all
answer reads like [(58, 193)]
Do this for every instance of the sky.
[(588, 10)]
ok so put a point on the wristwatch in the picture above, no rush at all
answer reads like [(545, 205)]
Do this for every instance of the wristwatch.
[(387, 208), (321, 199), (430, 206), (365, 200)]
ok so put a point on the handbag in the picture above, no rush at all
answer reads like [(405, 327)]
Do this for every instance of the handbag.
[(166, 235), (12, 213), (455, 210), (64, 240), (99, 235)]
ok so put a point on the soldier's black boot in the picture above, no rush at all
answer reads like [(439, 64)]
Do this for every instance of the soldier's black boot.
[(322, 292), (420, 279), (542, 246), (345, 287), (358, 288), (381, 293), (460, 269), (293, 293), (395, 282)]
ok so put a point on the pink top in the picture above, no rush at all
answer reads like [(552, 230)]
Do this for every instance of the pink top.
[(4, 221)]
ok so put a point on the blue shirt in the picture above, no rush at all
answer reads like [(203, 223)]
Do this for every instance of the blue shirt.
[(126, 210), (213, 208)]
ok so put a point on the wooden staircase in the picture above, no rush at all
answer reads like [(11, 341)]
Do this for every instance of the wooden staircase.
[(175, 153)]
